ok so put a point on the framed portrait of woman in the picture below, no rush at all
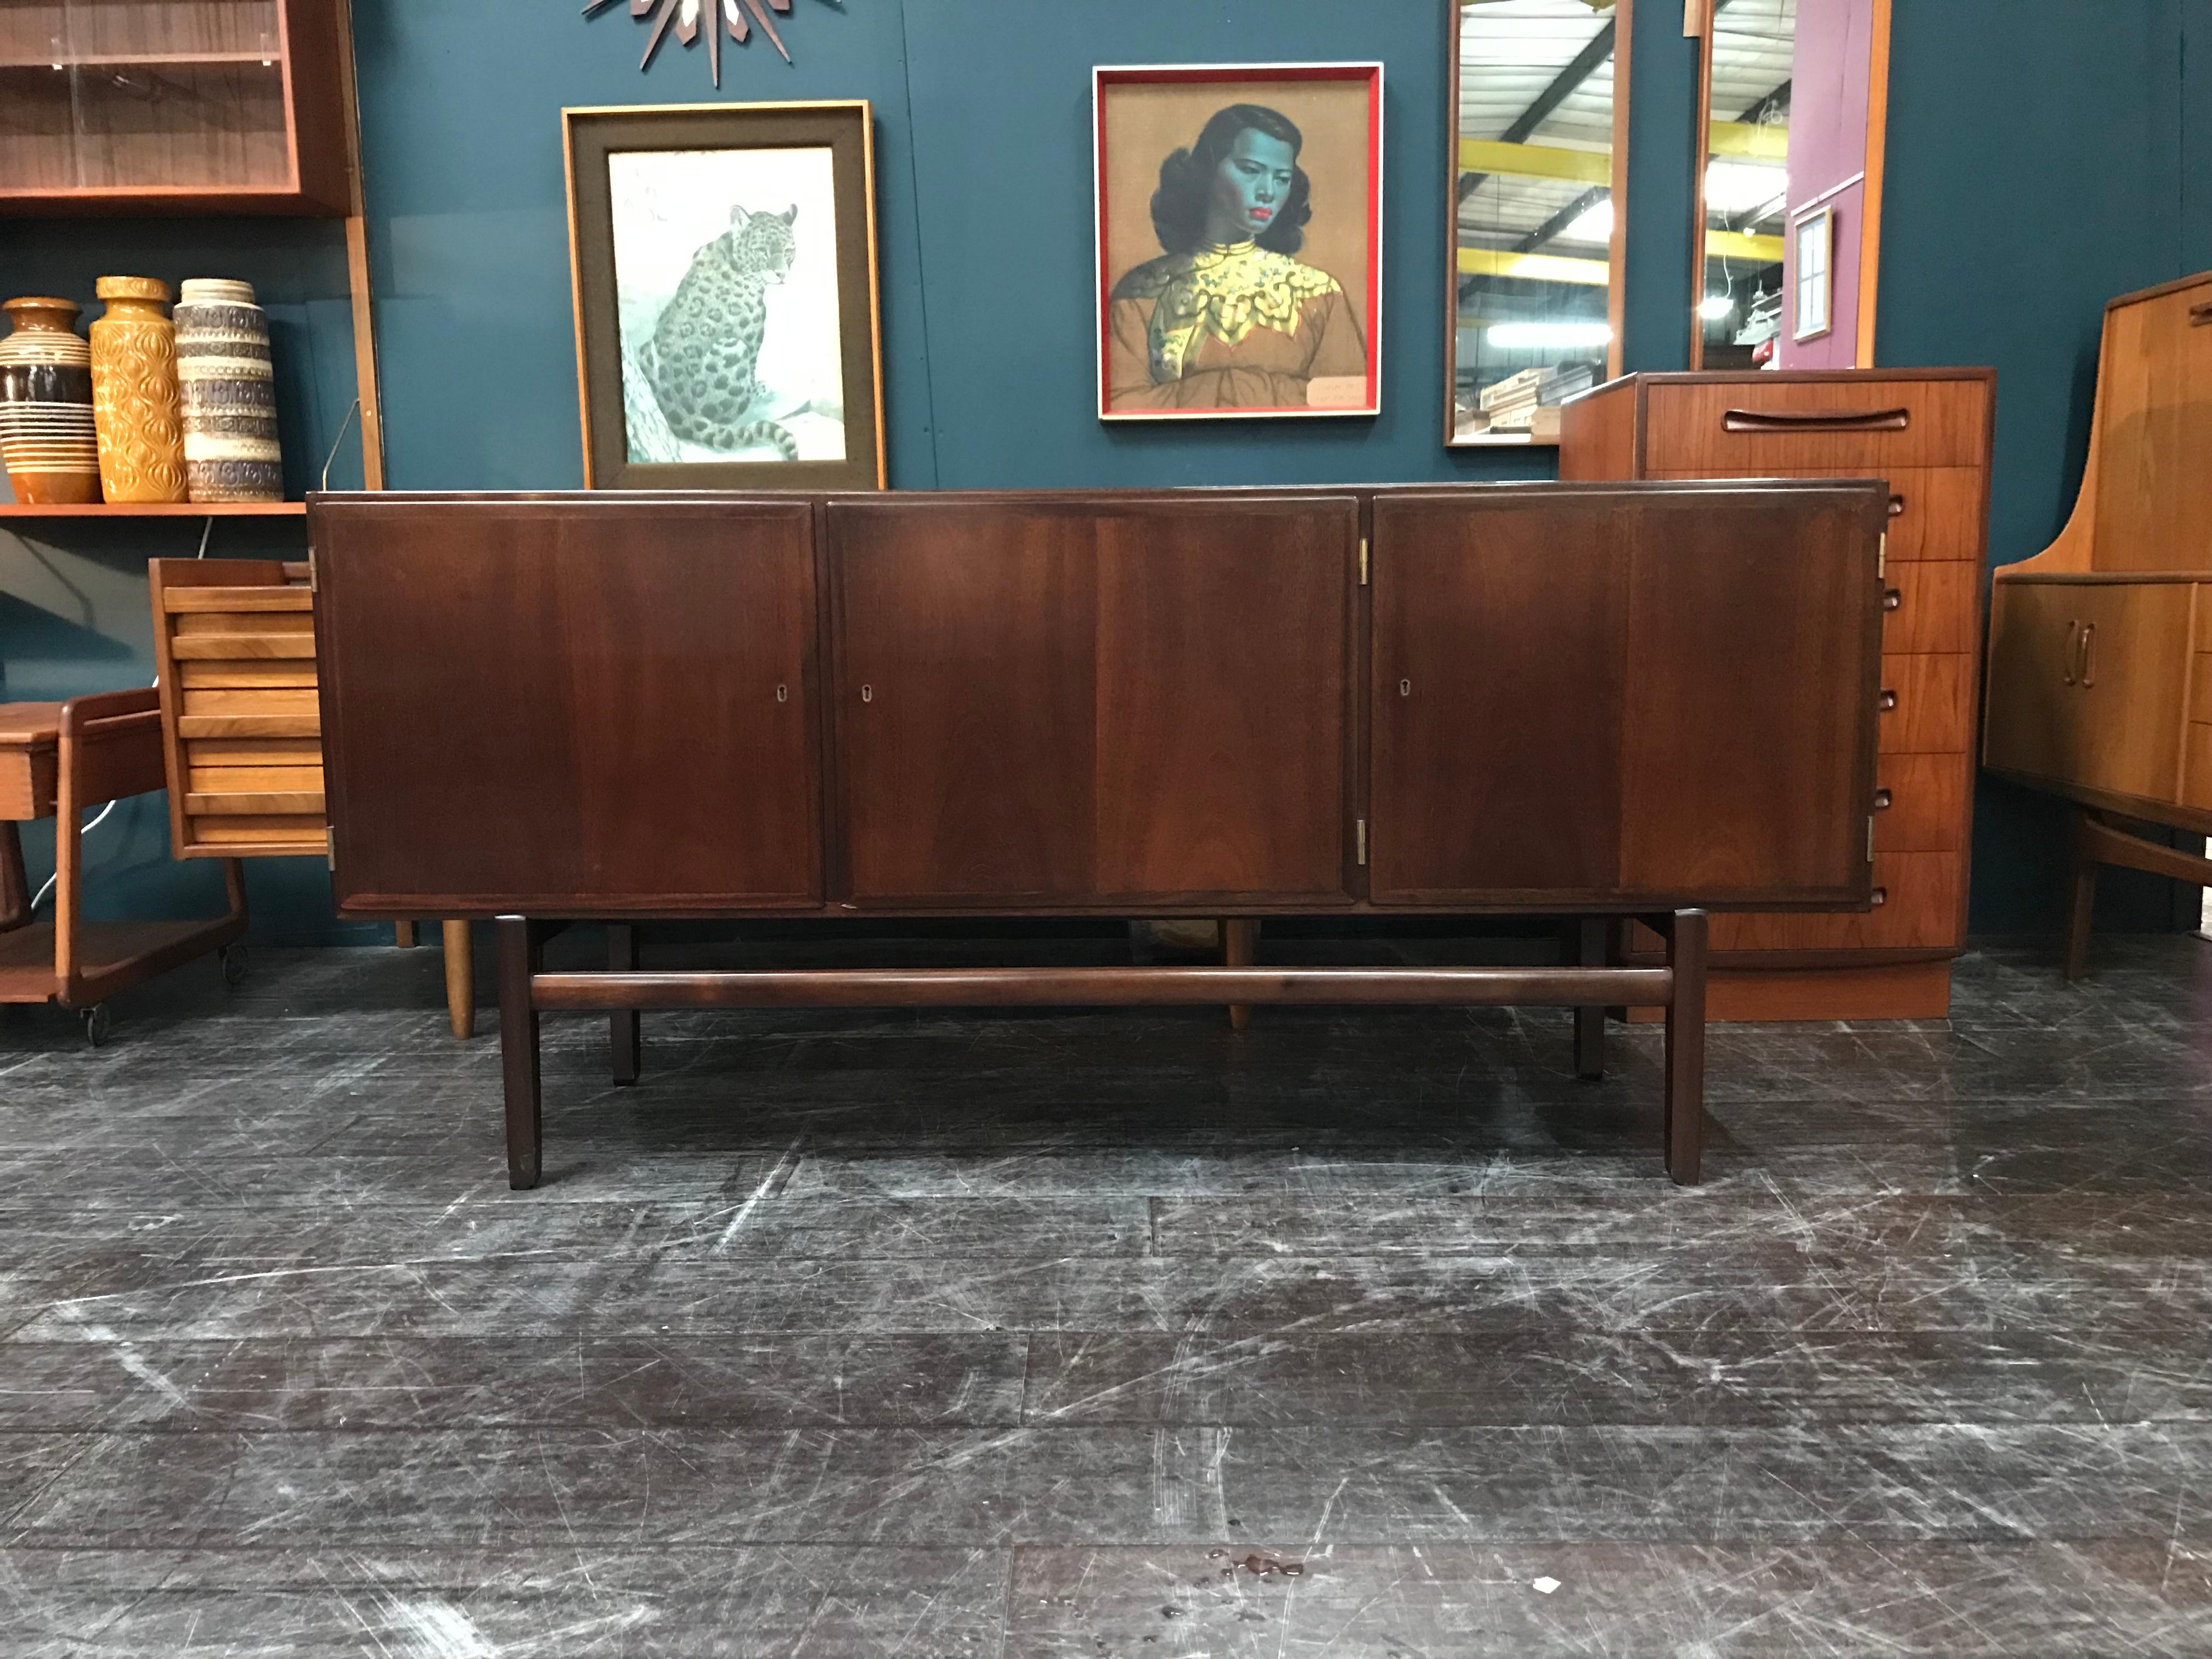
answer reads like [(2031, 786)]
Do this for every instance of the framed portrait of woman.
[(1240, 240), (723, 258)]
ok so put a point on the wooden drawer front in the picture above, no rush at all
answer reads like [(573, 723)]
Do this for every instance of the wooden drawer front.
[(1760, 428), (1928, 703), (1920, 895), (1921, 803), (1931, 607), (1934, 512), (26, 782)]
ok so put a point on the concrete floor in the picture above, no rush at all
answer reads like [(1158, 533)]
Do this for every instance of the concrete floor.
[(1107, 1334)]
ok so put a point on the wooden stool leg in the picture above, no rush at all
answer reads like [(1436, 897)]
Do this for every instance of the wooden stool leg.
[(2085, 898), (403, 935), (1686, 1047), (460, 979), (521, 948), (622, 1024), (14, 885), (1237, 941), (1590, 946)]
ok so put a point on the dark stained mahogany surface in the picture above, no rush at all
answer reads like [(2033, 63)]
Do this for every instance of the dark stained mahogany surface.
[(1624, 698)]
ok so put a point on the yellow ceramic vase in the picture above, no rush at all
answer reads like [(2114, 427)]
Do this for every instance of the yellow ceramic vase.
[(135, 406)]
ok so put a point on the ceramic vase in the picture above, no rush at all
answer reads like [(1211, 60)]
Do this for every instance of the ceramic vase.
[(135, 405), (47, 438), (229, 394)]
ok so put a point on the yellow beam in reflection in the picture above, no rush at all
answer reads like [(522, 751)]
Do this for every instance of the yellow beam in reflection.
[(1734, 244), (1581, 167), (1532, 267), (1752, 142)]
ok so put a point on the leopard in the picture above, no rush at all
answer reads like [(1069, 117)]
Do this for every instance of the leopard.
[(704, 349)]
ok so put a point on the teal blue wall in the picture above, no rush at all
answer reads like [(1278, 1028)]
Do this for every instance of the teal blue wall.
[(2038, 165)]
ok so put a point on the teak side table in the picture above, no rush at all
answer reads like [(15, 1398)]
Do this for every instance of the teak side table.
[(57, 759)]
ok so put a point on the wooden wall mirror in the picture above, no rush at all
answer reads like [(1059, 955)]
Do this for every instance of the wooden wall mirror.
[(1793, 96), (1539, 136)]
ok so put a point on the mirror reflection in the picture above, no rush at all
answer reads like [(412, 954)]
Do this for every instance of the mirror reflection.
[(1740, 309), (1535, 262)]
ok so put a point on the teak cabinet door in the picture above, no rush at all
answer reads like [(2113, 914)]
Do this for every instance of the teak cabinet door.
[(2087, 683), (1624, 698), (1046, 703), (635, 727)]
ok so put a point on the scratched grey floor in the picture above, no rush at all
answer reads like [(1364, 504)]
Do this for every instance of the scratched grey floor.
[(1108, 1333)]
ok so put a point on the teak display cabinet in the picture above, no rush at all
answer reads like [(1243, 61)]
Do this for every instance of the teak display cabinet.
[(174, 107)]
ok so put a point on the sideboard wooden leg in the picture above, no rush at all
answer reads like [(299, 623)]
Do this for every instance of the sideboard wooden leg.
[(1589, 942), (1238, 939), (1686, 1046), (2085, 897), (403, 935), (521, 948), (14, 886), (622, 1024)]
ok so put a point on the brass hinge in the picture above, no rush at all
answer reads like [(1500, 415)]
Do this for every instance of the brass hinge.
[(1881, 557), (1361, 824), (1869, 838), (314, 582), (1363, 561), (330, 848)]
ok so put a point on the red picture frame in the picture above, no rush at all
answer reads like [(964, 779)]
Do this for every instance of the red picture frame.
[(1125, 169)]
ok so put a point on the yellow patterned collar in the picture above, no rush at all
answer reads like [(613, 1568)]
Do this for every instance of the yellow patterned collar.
[(1228, 292)]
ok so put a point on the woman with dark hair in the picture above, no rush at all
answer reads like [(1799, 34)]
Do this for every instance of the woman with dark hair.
[(1228, 318)]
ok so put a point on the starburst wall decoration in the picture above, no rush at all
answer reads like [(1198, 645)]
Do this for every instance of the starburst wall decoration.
[(738, 16)]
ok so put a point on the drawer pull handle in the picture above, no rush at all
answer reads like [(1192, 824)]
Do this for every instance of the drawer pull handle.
[(2088, 655), (1887, 702), (1881, 897), (2200, 313), (1816, 420), (1882, 801), (1897, 506), (2072, 651), (1891, 598)]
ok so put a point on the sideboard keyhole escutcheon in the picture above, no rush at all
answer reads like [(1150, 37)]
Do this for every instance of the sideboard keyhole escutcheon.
[(1404, 687)]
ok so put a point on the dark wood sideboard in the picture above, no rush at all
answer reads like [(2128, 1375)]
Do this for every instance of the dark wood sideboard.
[(1632, 701)]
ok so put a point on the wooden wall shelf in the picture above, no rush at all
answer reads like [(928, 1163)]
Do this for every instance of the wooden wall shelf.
[(157, 510)]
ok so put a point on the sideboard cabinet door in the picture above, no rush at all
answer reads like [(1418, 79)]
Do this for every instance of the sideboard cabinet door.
[(1094, 703), (1627, 698), (565, 705)]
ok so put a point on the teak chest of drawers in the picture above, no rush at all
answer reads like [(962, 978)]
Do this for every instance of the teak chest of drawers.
[(1529, 699), (1926, 433)]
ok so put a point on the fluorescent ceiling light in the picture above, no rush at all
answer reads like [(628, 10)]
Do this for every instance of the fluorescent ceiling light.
[(1714, 306), (1733, 187), (1542, 336), (1592, 224)]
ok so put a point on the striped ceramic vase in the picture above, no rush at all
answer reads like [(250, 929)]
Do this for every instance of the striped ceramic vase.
[(229, 394), (46, 436)]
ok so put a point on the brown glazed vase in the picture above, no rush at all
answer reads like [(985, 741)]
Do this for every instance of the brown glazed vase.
[(134, 392), (45, 406)]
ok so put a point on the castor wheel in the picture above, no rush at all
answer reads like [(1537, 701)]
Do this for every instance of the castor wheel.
[(96, 1022), (236, 963)]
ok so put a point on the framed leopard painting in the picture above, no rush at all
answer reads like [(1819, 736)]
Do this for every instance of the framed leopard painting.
[(728, 332)]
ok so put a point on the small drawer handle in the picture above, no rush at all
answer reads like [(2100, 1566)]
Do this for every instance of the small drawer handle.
[(2200, 313), (1887, 700), (1882, 801), (1816, 420), (1881, 897), (2072, 651), (2088, 655), (1891, 598), (1897, 506)]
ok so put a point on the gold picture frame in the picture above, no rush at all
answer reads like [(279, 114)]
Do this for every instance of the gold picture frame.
[(729, 324)]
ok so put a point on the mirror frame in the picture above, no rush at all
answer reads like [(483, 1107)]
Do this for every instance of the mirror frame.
[(1697, 23), (1616, 292)]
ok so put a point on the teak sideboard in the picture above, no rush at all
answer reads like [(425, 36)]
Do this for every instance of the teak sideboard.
[(1926, 433), (1640, 701)]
